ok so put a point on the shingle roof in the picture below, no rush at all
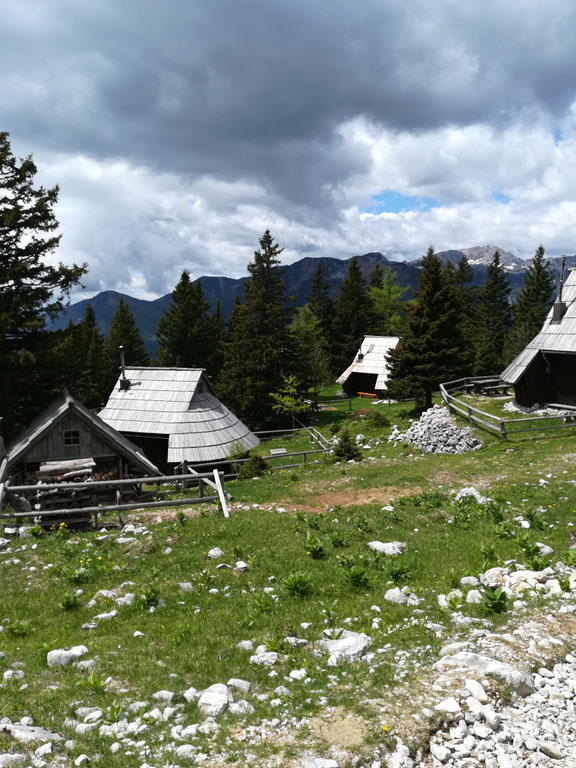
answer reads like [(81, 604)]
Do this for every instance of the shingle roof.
[(56, 411), (374, 350), (554, 337), (179, 403)]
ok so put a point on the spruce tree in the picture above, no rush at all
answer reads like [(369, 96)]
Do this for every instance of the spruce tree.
[(377, 277), (467, 298), (533, 304), (494, 319), (257, 352), (184, 332), (351, 317), (322, 306), (91, 386), (386, 304), (124, 332), (311, 361), (431, 346), (31, 289)]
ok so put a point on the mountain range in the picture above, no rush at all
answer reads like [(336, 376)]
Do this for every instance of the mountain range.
[(297, 278)]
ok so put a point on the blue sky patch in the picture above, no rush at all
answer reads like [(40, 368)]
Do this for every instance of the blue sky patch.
[(501, 197), (558, 137), (390, 201)]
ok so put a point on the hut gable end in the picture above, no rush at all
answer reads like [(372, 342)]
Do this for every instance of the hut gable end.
[(545, 370)]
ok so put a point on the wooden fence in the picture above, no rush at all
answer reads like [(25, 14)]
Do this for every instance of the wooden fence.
[(211, 479), (499, 426)]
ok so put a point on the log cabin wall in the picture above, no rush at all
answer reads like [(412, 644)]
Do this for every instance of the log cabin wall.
[(69, 438)]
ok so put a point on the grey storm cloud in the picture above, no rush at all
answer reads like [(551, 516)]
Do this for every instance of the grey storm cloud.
[(181, 129), (256, 89)]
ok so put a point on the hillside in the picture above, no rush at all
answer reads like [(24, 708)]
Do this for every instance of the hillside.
[(298, 279), (281, 637)]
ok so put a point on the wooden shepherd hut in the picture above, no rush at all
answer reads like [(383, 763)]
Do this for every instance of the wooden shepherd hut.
[(68, 441), (368, 373), (545, 371), (174, 416)]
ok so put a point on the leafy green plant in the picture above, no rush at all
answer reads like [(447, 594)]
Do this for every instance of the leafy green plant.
[(94, 682), (489, 557), (338, 540), (362, 524), (346, 561), (70, 602), (274, 643), (314, 548), (529, 547), (428, 499), (256, 466), (313, 521), (537, 563), (114, 713), (505, 530), (397, 571), (565, 584), (238, 551), (151, 595), (495, 600), (536, 522), (181, 518), (570, 557), (36, 531), (357, 577), (298, 584), (263, 603), (494, 510), (20, 628)]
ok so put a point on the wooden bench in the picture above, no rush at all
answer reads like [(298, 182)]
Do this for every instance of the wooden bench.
[(371, 395), (496, 389)]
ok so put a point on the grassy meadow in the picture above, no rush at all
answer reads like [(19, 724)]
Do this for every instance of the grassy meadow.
[(304, 535)]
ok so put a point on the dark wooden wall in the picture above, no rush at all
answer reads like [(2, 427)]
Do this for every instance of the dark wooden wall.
[(360, 382), (550, 378)]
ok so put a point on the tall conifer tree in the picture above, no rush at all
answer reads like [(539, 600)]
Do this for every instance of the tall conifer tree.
[(351, 317), (184, 333), (431, 345), (124, 332), (494, 319), (91, 386), (257, 353), (377, 277), (31, 289), (533, 304)]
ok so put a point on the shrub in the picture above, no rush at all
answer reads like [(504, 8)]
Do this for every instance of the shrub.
[(359, 414), (346, 448), (506, 530), (378, 420), (254, 467), (94, 682), (397, 572), (298, 584), (363, 525), (357, 577), (19, 628), (237, 451)]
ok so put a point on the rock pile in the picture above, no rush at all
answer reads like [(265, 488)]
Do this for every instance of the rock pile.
[(436, 432)]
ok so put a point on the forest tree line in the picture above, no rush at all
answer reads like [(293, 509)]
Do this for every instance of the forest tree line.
[(448, 329)]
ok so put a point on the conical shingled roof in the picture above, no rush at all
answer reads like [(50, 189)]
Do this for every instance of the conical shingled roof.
[(179, 403)]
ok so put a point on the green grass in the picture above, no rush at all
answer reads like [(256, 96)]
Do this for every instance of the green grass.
[(190, 637)]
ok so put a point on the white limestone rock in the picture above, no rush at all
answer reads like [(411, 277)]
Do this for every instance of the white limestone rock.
[(61, 657), (349, 646), (215, 700), (388, 547)]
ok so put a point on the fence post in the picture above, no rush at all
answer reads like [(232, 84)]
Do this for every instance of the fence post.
[(503, 430), (200, 488), (470, 415)]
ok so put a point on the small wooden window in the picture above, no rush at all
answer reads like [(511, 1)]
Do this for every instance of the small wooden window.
[(71, 437)]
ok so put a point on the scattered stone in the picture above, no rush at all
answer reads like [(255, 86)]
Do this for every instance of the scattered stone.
[(215, 700), (449, 706), (64, 656), (349, 646), (215, 553), (388, 548)]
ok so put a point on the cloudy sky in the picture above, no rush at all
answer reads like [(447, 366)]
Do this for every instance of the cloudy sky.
[(179, 130)]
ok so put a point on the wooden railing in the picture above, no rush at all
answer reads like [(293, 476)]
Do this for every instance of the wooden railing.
[(32, 493), (501, 427)]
